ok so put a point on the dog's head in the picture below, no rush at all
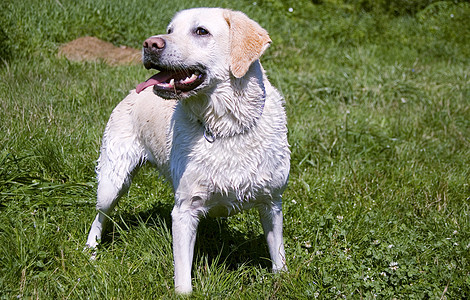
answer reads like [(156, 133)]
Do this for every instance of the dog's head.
[(202, 47)]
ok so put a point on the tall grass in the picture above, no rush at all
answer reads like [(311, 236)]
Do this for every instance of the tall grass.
[(379, 124)]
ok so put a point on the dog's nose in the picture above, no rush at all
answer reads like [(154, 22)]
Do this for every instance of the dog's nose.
[(154, 43)]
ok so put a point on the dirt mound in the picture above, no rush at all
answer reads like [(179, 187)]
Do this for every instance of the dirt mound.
[(90, 48)]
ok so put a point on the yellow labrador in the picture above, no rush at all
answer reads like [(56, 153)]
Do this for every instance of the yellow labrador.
[(211, 122)]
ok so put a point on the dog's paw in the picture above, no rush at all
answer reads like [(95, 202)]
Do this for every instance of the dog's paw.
[(91, 252)]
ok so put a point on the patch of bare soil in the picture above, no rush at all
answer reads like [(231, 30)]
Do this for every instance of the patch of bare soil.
[(90, 48)]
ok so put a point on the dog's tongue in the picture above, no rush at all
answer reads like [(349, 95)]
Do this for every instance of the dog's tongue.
[(155, 79)]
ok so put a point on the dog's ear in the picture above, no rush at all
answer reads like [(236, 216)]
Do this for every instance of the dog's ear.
[(248, 40)]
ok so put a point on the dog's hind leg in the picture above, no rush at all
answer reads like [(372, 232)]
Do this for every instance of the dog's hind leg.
[(271, 219), (121, 154)]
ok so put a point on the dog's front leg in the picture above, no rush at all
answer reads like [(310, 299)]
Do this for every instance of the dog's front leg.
[(271, 219), (184, 227)]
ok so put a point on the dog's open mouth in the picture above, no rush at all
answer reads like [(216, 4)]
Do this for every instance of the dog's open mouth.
[(173, 81)]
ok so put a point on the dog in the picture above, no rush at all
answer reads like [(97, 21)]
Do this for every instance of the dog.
[(210, 122)]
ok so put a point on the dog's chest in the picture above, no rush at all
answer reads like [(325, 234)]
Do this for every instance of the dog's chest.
[(226, 171)]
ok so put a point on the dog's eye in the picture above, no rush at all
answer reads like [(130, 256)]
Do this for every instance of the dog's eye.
[(201, 31), (169, 30)]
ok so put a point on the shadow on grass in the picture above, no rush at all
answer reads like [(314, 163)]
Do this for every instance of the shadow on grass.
[(216, 239)]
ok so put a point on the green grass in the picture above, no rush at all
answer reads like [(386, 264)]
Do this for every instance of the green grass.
[(378, 201)]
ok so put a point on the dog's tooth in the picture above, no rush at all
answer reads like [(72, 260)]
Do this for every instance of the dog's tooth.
[(193, 77), (172, 82)]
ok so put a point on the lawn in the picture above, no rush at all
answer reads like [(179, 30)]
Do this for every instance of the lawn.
[(378, 203)]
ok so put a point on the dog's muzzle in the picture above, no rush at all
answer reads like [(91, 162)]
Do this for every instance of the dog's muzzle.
[(171, 81)]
